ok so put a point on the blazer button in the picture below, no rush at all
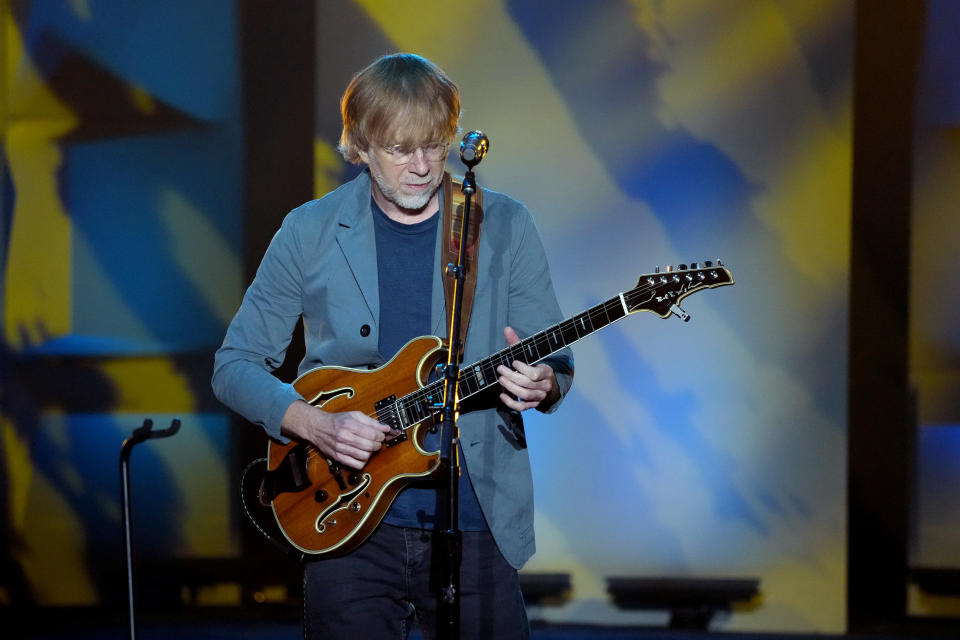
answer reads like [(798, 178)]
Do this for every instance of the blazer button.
[(365, 330)]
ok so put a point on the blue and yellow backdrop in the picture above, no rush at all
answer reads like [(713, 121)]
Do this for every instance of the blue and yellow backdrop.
[(640, 133)]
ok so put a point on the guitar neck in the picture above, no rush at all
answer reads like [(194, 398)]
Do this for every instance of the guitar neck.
[(480, 375), (658, 293), (483, 374)]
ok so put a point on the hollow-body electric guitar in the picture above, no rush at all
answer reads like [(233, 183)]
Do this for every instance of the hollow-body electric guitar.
[(325, 508)]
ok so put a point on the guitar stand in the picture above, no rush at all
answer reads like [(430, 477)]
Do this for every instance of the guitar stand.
[(141, 433)]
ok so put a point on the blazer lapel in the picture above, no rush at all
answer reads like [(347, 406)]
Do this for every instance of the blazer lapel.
[(438, 308), (357, 241)]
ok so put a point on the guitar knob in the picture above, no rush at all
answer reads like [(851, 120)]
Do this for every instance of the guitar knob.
[(354, 478), (355, 506), (320, 495)]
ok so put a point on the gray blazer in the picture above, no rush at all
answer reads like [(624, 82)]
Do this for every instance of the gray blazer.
[(321, 264)]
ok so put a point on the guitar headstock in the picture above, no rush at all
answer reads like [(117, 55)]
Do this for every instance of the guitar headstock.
[(661, 292)]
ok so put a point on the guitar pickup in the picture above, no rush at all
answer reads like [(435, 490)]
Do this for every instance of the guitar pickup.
[(388, 414)]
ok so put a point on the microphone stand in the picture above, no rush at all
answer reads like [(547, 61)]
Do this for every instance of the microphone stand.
[(452, 536), (472, 150), (141, 433)]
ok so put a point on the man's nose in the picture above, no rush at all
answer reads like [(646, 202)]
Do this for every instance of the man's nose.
[(418, 163)]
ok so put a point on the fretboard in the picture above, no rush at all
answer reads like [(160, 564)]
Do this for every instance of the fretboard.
[(417, 406)]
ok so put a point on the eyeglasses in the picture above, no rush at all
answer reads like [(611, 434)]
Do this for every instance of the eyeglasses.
[(433, 152)]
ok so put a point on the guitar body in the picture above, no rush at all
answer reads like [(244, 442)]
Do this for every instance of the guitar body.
[(326, 508)]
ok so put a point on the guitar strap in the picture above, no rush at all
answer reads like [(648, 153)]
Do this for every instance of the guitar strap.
[(453, 202)]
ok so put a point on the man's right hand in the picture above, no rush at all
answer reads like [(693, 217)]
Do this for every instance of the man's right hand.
[(349, 438)]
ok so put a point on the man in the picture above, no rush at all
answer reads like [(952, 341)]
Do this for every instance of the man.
[(361, 266)]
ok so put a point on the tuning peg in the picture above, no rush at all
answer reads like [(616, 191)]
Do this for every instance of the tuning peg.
[(669, 268), (680, 313), (681, 267), (656, 269), (719, 263), (693, 265), (707, 264)]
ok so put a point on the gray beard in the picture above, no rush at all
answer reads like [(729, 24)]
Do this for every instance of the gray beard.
[(411, 203)]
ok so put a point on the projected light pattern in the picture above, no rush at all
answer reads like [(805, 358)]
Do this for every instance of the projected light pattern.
[(644, 133), (639, 133), (121, 240)]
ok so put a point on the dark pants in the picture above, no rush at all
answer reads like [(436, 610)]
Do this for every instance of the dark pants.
[(389, 584)]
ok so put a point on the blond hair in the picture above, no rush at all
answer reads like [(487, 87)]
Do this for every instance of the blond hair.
[(400, 99)]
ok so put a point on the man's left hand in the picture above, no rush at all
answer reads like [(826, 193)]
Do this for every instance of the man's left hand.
[(526, 386)]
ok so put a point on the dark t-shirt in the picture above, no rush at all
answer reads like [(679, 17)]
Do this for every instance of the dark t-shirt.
[(405, 267)]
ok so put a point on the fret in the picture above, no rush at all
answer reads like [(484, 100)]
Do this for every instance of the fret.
[(543, 343), (555, 338), (477, 375), (580, 326), (490, 371), (418, 408), (606, 313), (530, 351), (616, 309), (597, 317), (468, 384)]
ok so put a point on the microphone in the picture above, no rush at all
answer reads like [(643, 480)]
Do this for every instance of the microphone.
[(474, 146)]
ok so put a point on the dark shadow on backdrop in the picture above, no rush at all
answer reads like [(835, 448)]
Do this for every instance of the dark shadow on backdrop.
[(881, 421)]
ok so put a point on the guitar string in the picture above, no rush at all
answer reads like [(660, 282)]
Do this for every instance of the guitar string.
[(416, 398)]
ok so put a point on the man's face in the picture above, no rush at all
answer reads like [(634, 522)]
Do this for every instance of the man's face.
[(405, 180)]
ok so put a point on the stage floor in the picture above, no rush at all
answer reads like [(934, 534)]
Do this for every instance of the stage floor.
[(282, 623), (292, 631)]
